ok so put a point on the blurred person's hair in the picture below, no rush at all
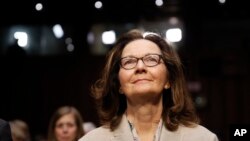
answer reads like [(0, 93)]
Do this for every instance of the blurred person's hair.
[(19, 130)]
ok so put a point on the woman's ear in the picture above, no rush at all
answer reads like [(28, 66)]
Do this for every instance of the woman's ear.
[(167, 85)]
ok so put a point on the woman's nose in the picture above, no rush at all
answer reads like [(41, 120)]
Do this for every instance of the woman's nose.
[(140, 66), (65, 128)]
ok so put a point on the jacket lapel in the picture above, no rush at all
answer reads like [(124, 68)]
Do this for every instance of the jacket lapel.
[(123, 132)]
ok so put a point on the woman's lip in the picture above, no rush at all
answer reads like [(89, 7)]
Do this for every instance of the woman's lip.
[(140, 80)]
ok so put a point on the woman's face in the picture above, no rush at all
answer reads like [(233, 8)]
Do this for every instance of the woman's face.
[(142, 81), (66, 128)]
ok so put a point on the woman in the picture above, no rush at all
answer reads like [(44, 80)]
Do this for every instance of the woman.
[(65, 125), (142, 94), (19, 130)]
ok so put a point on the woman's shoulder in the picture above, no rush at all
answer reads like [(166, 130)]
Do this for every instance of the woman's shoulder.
[(100, 133), (198, 131), (194, 128)]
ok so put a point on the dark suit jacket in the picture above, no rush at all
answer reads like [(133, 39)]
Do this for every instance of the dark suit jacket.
[(5, 133)]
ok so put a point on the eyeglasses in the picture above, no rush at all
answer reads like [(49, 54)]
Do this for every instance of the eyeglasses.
[(149, 60)]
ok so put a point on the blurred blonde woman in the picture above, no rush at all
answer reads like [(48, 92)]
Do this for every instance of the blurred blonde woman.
[(65, 125), (19, 130)]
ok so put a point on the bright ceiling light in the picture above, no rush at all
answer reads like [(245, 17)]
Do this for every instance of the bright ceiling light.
[(174, 34)]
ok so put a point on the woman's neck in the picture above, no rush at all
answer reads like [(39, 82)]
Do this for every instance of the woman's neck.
[(145, 118), (144, 111)]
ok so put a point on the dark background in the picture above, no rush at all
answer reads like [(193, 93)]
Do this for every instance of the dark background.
[(215, 53)]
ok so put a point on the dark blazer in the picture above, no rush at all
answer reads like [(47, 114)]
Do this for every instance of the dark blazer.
[(5, 133)]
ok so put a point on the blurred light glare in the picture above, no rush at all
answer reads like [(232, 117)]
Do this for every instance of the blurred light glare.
[(174, 34), (108, 37), (98, 4), (173, 20), (68, 40), (159, 2), (222, 1), (90, 38), (22, 38), (39, 6), (201, 101), (70, 47), (58, 31)]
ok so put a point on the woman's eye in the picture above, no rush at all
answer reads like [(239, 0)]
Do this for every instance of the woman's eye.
[(129, 61), (151, 59)]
